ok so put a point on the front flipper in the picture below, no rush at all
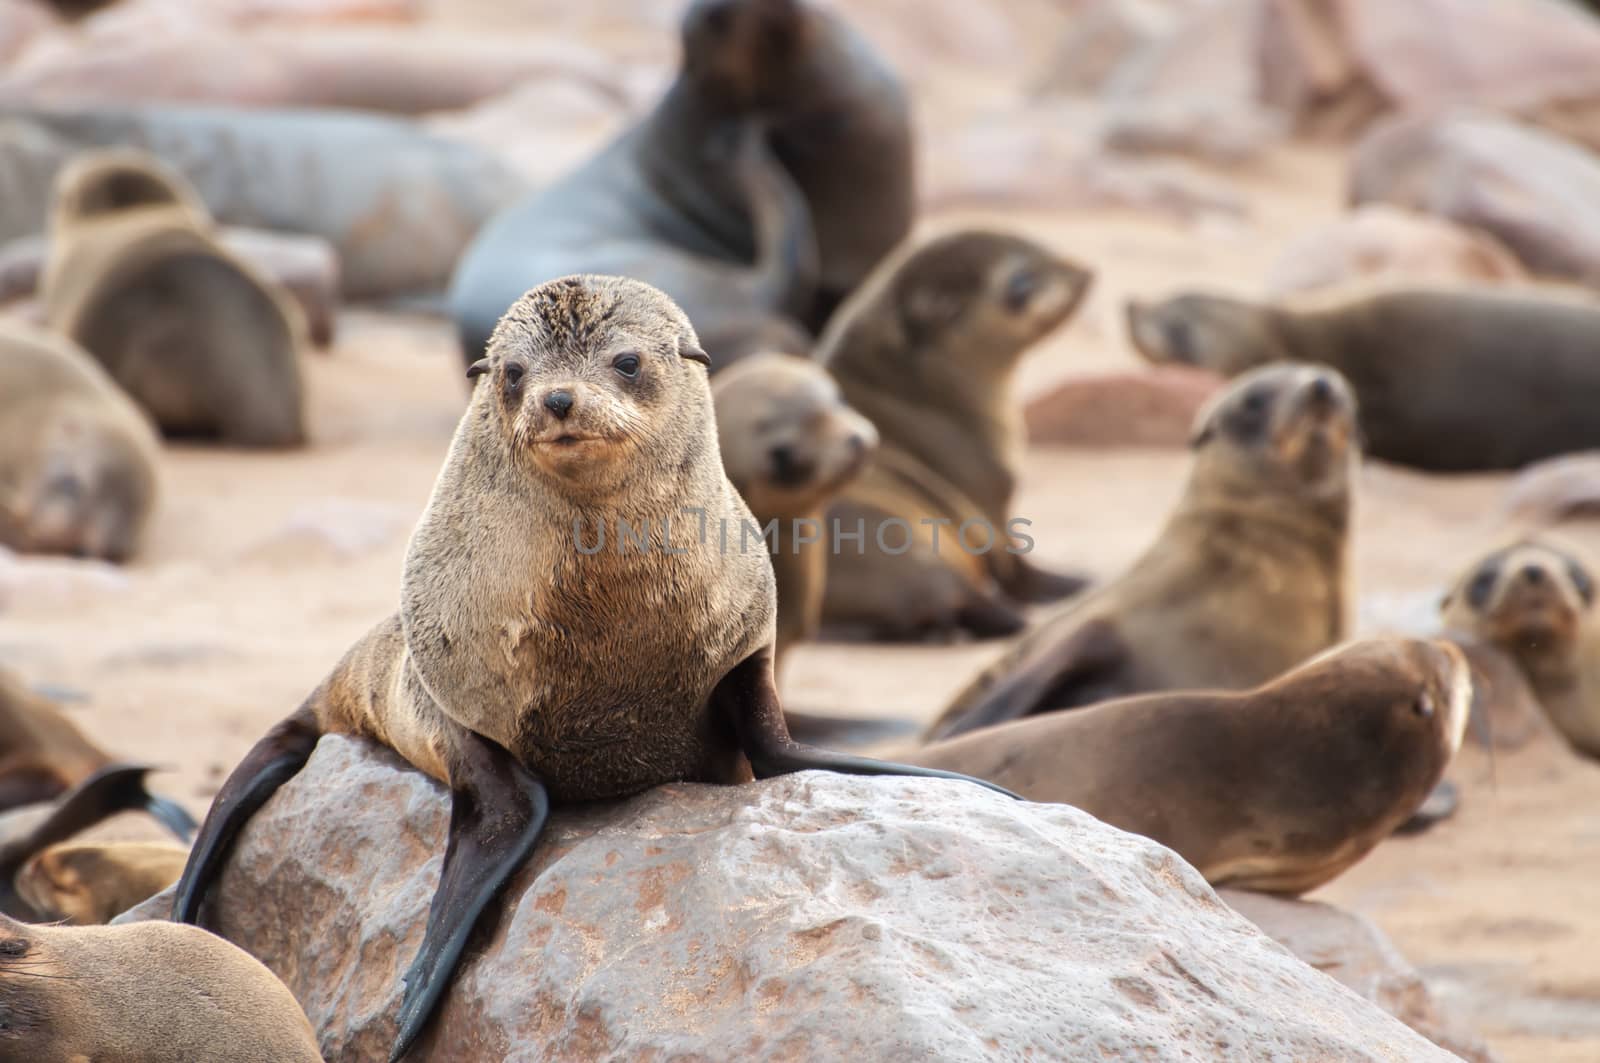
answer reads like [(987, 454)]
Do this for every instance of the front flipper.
[(271, 762), (747, 697), (1027, 582), (1044, 675), (498, 809)]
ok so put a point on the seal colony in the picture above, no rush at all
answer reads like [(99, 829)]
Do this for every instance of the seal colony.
[(523, 667)]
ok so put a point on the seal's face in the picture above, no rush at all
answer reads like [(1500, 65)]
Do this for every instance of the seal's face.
[(1287, 428), (1529, 599), (985, 297), (789, 442), (583, 373), (83, 496), (743, 55), (106, 182), (1227, 336), (26, 980)]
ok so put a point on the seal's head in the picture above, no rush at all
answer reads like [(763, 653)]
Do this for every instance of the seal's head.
[(592, 381), (99, 183), (1530, 599), (789, 441), (744, 55), (1280, 430), (1227, 336)]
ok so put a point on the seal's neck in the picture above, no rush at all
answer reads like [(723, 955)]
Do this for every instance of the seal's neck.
[(678, 150)]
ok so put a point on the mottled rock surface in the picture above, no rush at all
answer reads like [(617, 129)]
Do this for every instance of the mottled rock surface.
[(809, 917), (1352, 950)]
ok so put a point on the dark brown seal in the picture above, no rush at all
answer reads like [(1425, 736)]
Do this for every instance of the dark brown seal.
[(1248, 578), (927, 351), (1278, 789), (542, 652), (1450, 380)]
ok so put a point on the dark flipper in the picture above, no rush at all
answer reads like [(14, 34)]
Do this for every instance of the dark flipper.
[(990, 616), (1440, 804), (171, 815), (747, 698), (1028, 582), (270, 763), (1042, 675), (118, 788), (845, 730), (497, 812)]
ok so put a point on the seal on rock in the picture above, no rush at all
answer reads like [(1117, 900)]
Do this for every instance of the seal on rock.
[(149, 992), (78, 460), (1534, 601), (189, 331), (927, 350), (1432, 367), (1277, 789), (1248, 578), (565, 632)]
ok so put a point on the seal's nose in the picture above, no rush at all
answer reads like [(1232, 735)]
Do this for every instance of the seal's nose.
[(559, 403), (1321, 391), (1533, 575)]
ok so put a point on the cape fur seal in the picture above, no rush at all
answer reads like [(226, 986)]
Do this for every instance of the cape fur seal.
[(78, 460), (1248, 578), (533, 660), (927, 350), (1277, 789), (150, 992), (1534, 601), (1450, 380), (189, 331), (89, 884)]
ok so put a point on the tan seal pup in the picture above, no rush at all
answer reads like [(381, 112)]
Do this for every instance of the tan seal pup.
[(78, 460), (1534, 601), (789, 444), (137, 277), (86, 884), (1449, 380), (1278, 789), (542, 651), (1248, 578), (927, 351), (150, 992)]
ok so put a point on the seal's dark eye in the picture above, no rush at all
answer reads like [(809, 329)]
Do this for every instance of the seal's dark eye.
[(1581, 583), (1255, 402), (1481, 587), (627, 365), (1423, 706), (514, 375)]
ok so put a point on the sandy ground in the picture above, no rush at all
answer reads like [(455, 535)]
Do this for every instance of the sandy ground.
[(262, 569)]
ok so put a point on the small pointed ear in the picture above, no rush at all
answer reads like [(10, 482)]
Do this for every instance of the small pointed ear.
[(1448, 597), (689, 352), (1204, 432), (478, 368)]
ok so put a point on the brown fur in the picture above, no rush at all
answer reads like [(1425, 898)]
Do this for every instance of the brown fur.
[(42, 753), (151, 992), (78, 461), (1534, 601), (1279, 789), (1448, 379), (789, 444), (89, 884), (1247, 579), (202, 342), (927, 351), (599, 684)]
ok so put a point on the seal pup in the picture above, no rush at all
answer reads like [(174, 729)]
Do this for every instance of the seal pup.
[(1248, 578), (78, 460), (1278, 789), (532, 660), (1431, 367), (191, 332), (88, 884), (927, 350), (148, 992), (1534, 601)]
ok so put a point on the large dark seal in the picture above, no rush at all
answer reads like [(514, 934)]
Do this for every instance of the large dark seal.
[(1278, 789), (532, 660), (78, 460), (193, 334), (1534, 601), (927, 350), (1248, 578), (1450, 380), (736, 246)]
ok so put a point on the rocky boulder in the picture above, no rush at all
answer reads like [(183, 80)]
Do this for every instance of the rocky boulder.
[(808, 917)]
